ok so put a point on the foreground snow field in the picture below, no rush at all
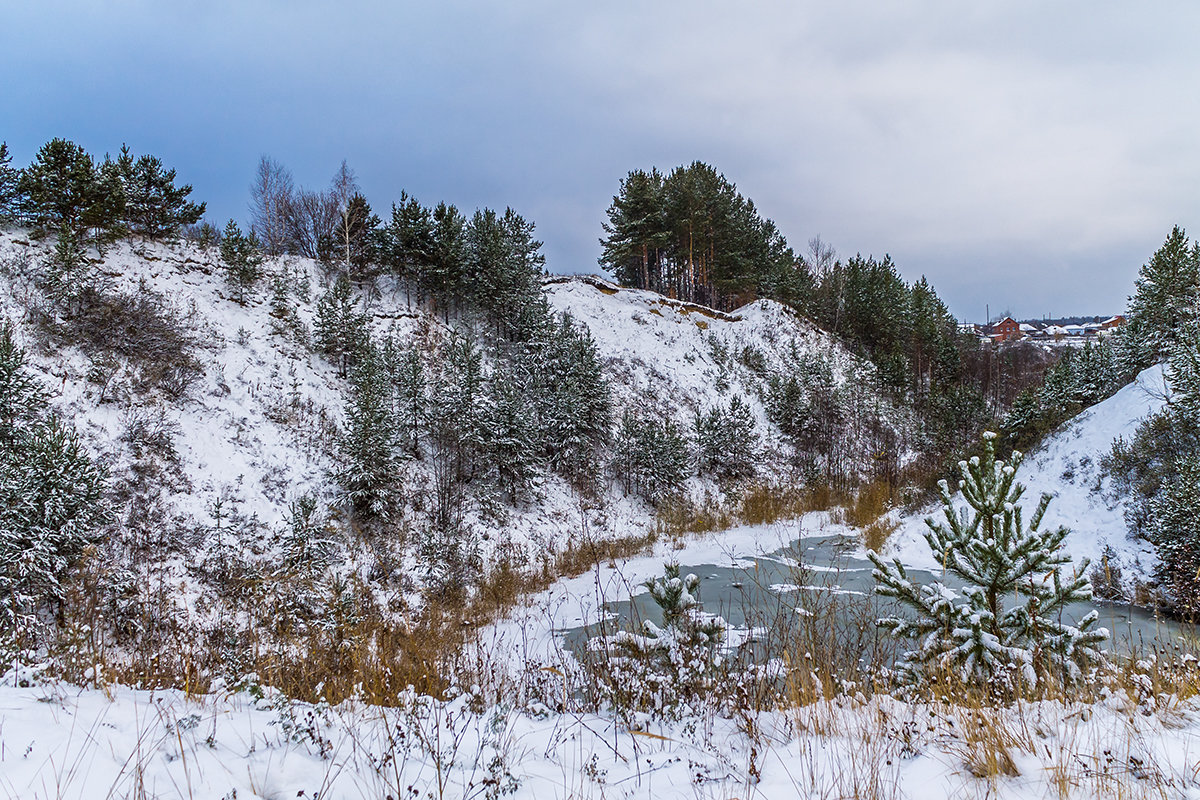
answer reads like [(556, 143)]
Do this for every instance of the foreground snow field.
[(60, 741)]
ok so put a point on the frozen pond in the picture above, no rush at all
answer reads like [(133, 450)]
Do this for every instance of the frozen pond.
[(826, 576)]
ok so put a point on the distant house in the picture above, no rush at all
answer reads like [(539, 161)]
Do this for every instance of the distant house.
[(1112, 322), (1054, 331), (1006, 330), (1029, 330), (1077, 330)]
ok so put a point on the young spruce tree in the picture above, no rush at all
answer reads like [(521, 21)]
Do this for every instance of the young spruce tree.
[(998, 559), (241, 258)]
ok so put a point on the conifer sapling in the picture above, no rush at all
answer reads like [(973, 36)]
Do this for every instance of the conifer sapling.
[(998, 560)]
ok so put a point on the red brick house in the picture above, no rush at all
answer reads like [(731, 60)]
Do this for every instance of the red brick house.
[(1006, 330)]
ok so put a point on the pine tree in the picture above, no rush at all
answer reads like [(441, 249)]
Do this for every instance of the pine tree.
[(669, 667), (52, 496), (1167, 293), (241, 258), (510, 433), (651, 457), (340, 329), (727, 442), (370, 472), (1174, 531), (68, 274), (304, 543), (1183, 375), (573, 399), (409, 404), (107, 218), (447, 270), (10, 179), (407, 243), (60, 189), (20, 397), (281, 295), (972, 631), (155, 208)]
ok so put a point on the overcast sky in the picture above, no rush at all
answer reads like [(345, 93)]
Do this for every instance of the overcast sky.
[(1026, 155)]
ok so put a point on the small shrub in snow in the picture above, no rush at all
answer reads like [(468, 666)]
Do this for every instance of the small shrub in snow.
[(972, 630), (667, 668)]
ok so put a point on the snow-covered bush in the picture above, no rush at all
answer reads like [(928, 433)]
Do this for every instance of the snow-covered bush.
[(973, 631), (726, 441), (51, 496), (665, 669)]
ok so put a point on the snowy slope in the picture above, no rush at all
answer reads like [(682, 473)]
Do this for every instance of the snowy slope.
[(678, 358), (256, 426), (1067, 467)]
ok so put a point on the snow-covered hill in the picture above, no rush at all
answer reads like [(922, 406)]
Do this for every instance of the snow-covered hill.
[(251, 428), (1067, 467)]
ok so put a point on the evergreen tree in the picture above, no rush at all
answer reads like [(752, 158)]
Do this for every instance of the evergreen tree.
[(20, 397), (651, 457), (447, 270), (455, 425), (636, 231), (407, 245), (1167, 293), (691, 235), (409, 403), (10, 179), (510, 433), (281, 295), (727, 442), (60, 189), (304, 543), (1174, 530), (108, 218), (572, 398), (972, 631), (670, 667), (241, 258), (1183, 375), (1159, 469), (504, 268), (370, 472), (155, 208), (52, 502), (455, 419), (340, 329), (68, 274)]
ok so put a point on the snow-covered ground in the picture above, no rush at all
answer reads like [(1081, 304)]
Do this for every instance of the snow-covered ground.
[(60, 741), (1067, 467)]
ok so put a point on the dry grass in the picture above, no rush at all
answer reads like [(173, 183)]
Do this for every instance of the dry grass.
[(681, 516), (867, 511), (763, 504), (310, 634)]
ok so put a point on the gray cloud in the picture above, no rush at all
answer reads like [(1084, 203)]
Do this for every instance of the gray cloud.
[(1021, 154)]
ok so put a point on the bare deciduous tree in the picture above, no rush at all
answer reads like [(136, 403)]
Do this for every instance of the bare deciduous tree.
[(311, 219), (343, 189), (271, 197)]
